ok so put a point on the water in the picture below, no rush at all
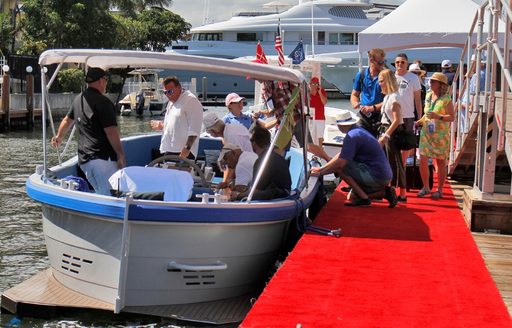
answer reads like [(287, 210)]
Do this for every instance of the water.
[(22, 250)]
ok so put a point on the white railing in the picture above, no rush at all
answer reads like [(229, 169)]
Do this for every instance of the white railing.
[(481, 106)]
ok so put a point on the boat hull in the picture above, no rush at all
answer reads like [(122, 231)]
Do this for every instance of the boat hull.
[(85, 255)]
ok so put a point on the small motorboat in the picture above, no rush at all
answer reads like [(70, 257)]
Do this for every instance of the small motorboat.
[(186, 247)]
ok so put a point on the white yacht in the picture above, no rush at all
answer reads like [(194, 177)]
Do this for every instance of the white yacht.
[(332, 24)]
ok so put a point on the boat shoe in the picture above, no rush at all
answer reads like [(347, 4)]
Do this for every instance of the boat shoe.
[(437, 195), (390, 196), (359, 202)]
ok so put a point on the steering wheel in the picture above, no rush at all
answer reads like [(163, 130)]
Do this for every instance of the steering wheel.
[(182, 163)]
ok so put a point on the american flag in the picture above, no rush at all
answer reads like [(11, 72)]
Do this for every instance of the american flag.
[(279, 46)]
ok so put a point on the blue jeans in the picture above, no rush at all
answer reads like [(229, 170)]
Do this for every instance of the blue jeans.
[(97, 172), (361, 174)]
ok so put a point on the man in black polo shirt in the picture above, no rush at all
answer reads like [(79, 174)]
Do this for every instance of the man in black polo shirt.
[(100, 153), (275, 181)]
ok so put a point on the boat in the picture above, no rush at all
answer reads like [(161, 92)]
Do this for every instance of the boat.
[(138, 255), (143, 93), (335, 25)]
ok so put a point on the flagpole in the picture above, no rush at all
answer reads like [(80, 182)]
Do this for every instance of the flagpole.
[(312, 32)]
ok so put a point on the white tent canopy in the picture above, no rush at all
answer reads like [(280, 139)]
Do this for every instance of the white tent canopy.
[(422, 24)]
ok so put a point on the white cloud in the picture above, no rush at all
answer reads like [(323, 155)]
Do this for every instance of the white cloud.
[(220, 10)]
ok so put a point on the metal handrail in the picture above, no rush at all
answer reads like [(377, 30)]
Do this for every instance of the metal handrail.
[(487, 143)]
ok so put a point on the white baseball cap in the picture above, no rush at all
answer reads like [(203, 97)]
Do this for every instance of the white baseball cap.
[(210, 119), (446, 63)]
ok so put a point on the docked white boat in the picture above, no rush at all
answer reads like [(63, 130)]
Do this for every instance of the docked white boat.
[(143, 90), (324, 26), (131, 254)]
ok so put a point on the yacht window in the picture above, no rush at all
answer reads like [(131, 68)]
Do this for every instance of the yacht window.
[(346, 38), (246, 37), (333, 38), (207, 37), (348, 12), (321, 38)]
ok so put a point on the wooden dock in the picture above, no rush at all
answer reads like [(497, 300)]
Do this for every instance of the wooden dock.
[(496, 250)]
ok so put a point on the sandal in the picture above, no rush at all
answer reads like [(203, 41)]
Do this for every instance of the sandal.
[(359, 202), (423, 192), (437, 195)]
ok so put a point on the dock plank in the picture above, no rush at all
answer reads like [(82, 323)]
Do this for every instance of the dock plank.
[(496, 250)]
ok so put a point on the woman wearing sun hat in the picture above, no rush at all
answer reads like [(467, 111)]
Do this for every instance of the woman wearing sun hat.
[(435, 134)]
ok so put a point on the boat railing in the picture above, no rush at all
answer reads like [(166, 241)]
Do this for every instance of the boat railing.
[(486, 110)]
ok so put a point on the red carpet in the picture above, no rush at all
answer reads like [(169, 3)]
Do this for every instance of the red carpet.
[(412, 266)]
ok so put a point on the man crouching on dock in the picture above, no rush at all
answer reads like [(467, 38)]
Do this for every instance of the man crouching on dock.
[(361, 163)]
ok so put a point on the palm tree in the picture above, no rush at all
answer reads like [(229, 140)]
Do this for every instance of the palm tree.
[(131, 7)]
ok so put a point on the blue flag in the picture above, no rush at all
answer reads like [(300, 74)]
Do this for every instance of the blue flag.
[(297, 55)]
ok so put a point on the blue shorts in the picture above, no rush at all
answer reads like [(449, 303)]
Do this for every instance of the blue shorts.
[(361, 174)]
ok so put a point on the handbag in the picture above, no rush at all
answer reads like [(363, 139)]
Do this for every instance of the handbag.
[(402, 138)]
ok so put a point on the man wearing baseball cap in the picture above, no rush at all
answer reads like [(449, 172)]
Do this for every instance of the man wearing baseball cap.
[(235, 105), (362, 163), (318, 100), (446, 69), (100, 153)]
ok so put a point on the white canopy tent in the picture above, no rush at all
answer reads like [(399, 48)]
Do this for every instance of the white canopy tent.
[(421, 24)]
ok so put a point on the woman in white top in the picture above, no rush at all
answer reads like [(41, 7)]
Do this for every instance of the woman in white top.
[(391, 120)]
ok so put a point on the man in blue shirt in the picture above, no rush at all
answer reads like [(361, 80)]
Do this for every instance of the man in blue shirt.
[(366, 93), (235, 105), (362, 163)]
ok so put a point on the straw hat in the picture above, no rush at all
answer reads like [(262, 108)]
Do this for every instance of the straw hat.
[(440, 77)]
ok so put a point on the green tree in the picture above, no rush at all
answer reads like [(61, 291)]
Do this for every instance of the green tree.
[(71, 80), (5, 32), (90, 24), (68, 23), (159, 28), (133, 7)]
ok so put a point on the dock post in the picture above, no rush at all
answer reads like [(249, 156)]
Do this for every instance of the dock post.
[(205, 88), (5, 97), (30, 97)]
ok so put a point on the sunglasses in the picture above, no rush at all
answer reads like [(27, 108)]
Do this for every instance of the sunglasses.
[(400, 62), (168, 92), (315, 84)]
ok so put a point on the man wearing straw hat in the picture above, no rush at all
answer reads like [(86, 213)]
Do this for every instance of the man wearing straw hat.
[(361, 163)]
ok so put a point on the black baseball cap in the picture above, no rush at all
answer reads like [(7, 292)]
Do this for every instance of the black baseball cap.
[(94, 74)]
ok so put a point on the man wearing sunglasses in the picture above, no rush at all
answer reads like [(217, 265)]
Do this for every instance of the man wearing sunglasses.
[(182, 123), (366, 93)]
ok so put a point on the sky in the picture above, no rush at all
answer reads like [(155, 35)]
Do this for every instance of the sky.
[(220, 10)]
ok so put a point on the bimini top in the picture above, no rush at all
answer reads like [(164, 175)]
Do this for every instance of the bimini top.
[(107, 59)]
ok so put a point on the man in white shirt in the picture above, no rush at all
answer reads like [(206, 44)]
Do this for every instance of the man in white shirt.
[(235, 134), (234, 158), (409, 89), (182, 123)]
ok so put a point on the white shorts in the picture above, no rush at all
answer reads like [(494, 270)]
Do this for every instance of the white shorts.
[(317, 128)]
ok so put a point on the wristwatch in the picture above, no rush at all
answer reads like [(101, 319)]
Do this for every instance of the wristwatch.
[(374, 108)]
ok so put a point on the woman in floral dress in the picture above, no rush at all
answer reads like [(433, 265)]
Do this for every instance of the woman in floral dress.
[(435, 134)]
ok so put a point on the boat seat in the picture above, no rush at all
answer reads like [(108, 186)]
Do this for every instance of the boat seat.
[(295, 157), (176, 185)]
